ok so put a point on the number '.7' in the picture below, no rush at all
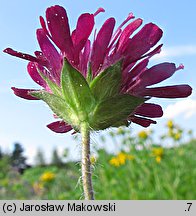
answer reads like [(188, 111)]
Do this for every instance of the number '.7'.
[(189, 206)]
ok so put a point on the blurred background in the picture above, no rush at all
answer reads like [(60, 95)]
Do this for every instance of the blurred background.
[(156, 163)]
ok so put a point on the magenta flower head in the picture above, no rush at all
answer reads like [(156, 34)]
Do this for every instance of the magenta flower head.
[(94, 86), (105, 84)]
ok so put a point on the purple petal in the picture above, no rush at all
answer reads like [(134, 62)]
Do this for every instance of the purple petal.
[(44, 27), (117, 34), (99, 10), (100, 45), (146, 38), (149, 110), (157, 50), (144, 122), (125, 72), (58, 25), (148, 55), (176, 91), (24, 93), (127, 32), (129, 17), (42, 59), (59, 127), (155, 74), (131, 76), (51, 54), (83, 30), (32, 70), (20, 55), (141, 66), (84, 58)]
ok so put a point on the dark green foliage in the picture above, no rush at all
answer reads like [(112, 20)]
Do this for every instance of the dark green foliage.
[(39, 158), (1, 154), (56, 159), (17, 158), (4, 166)]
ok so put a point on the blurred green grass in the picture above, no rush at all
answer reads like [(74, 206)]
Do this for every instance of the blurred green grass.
[(143, 177)]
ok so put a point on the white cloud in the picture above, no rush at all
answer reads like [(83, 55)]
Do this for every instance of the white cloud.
[(176, 51), (185, 108)]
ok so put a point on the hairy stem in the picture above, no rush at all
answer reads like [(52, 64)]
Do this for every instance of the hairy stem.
[(86, 163)]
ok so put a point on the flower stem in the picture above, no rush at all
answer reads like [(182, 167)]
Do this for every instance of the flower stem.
[(86, 163)]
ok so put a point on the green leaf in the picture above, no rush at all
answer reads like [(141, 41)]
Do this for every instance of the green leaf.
[(58, 106), (76, 90), (121, 123), (52, 85), (114, 110), (107, 83)]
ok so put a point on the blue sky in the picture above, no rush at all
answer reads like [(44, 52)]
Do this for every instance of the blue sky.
[(24, 121)]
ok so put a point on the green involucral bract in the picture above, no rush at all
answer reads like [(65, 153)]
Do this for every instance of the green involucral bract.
[(98, 103), (76, 91), (107, 83), (52, 85), (112, 111), (59, 106)]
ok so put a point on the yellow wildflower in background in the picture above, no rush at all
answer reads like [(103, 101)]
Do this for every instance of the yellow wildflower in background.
[(171, 132), (143, 134), (158, 159), (120, 159), (47, 177), (174, 131), (158, 151), (170, 124), (93, 159), (114, 162), (177, 136)]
